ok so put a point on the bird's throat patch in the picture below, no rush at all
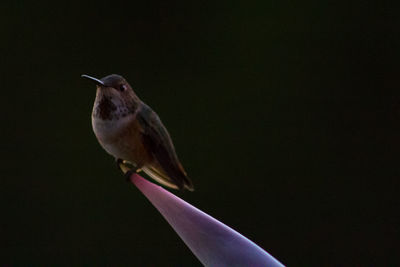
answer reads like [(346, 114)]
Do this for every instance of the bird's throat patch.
[(105, 109)]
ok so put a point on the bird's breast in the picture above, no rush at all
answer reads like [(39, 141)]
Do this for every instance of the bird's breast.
[(108, 129), (121, 138)]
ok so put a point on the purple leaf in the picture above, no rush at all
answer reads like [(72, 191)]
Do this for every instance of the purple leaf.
[(211, 241)]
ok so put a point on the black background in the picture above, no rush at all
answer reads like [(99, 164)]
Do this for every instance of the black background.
[(285, 114)]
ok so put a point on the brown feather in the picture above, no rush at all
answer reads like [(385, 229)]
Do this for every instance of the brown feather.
[(158, 143)]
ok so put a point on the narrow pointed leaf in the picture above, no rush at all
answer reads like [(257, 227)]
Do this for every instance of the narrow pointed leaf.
[(211, 241)]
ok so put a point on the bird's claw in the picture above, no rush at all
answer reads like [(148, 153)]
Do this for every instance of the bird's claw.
[(130, 172), (127, 168), (119, 162)]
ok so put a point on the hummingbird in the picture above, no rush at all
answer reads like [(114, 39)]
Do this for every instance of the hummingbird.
[(133, 134)]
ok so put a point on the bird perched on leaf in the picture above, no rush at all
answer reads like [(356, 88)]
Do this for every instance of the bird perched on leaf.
[(133, 133)]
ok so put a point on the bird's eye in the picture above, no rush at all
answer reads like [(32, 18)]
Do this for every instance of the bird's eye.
[(122, 87)]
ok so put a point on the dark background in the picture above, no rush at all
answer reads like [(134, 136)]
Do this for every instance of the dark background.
[(286, 116)]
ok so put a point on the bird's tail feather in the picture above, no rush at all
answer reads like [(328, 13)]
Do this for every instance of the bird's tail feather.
[(162, 178), (159, 177)]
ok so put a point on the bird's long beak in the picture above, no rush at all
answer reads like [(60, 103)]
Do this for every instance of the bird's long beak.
[(97, 81)]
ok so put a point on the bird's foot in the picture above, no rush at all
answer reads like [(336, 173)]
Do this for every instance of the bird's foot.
[(127, 168), (130, 172), (124, 165), (120, 164)]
